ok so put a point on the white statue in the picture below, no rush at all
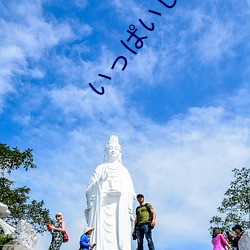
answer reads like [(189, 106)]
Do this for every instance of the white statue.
[(4, 212), (244, 242), (110, 197), (25, 235)]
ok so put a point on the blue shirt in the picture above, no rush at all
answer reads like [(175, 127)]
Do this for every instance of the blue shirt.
[(84, 242)]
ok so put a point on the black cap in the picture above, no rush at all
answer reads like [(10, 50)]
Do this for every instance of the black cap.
[(140, 195), (237, 227)]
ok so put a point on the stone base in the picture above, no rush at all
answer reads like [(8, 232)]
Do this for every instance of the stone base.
[(13, 247)]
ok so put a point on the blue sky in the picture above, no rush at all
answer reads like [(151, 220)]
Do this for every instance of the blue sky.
[(180, 108)]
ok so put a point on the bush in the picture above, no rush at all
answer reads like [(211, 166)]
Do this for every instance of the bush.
[(6, 240)]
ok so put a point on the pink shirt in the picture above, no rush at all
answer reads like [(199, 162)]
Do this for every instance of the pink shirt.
[(219, 242)]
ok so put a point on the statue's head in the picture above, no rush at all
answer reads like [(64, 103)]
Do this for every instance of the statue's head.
[(113, 150), (4, 211)]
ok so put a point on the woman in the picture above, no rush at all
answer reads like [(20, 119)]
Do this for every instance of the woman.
[(218, 240), (56, 231), (84, 240)]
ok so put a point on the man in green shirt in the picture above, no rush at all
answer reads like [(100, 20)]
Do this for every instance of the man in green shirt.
[(144, 223)]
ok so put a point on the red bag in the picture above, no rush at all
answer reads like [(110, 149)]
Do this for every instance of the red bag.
[(49, 227), (65, 236)]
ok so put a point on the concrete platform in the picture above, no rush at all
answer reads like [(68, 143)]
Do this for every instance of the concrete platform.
[(13, 247)]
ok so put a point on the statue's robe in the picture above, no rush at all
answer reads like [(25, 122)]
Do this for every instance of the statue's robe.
[(110, 197), (244, 242)]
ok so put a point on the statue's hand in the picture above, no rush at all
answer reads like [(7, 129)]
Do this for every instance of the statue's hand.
[(132, 217), (104, 176)]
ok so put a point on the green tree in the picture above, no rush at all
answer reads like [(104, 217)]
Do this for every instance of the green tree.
[(235, 207), (17, 199)]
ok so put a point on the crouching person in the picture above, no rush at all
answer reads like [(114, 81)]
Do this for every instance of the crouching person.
[(85, 239)]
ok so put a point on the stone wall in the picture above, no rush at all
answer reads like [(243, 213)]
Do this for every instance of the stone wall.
[(13, 247)]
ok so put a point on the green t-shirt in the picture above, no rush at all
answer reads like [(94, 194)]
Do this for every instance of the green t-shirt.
[(142, 214)]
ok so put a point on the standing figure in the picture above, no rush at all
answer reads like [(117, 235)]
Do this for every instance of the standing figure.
[(239, 232), (218, 240), (110, 197), (56, 231), (144, 223)]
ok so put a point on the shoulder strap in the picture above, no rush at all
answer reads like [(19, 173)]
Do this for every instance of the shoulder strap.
[(148, 208), (60, 223), (137, 210)]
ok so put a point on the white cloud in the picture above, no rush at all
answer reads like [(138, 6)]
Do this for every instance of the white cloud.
[(79, 102), (80, 3), (144, 67), (239, 101), (200, 33), (217, 42), (25, 35), (130, 11)]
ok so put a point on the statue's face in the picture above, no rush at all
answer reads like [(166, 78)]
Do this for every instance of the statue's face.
[(114, 150)]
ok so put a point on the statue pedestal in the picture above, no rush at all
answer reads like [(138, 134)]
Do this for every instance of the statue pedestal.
[(13, 247)]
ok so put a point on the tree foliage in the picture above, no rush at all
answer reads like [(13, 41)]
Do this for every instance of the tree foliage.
[(235, 206), (6, 239), (12, 159), (17, 199)]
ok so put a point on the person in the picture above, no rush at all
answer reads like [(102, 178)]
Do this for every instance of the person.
[(142, 226), (231, 240), (85, 239), (56, 231), (110, 198), (218, 240), (239, 231)]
